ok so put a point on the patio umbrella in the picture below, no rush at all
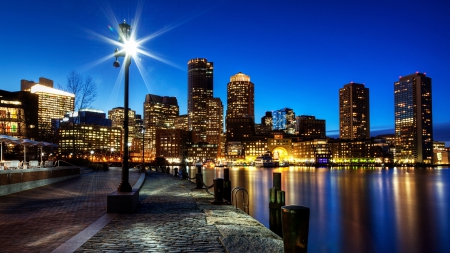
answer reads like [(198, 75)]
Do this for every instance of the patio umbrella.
[(25, 143), (7, 139), (43, 144)]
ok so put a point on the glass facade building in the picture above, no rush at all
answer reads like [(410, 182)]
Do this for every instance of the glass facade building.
[(413, 119), (354, 120)]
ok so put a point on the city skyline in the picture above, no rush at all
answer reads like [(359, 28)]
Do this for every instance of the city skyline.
[(298, 55)]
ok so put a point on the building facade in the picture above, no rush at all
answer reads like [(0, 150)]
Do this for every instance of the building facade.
[(308, 127), (413, 119), (284, 119), (159, 113), (240, 97), (117, 117), (214, 126), (52, 104), (200, 89), (354, 117), (19, 114)]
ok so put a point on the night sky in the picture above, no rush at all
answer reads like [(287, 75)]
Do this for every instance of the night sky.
[(297, 53)]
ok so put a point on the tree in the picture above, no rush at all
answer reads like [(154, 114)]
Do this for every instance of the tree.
[(84, 88)]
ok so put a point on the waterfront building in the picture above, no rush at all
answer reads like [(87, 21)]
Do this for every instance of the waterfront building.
[(413, 119), (440, 153), (52, 104), (202, 152), (280, 144), (200, 89), (19, 114), (87, 132), (117, 117), (284, 119), (312, 151), (359, 151), (160, 112), (354, 120), (240, 129), (172, 144), (308, 127)]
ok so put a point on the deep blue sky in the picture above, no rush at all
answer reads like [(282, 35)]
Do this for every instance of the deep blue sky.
[(297, 53)]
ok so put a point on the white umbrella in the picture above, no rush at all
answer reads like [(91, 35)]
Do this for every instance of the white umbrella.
[(7, 139), (25, 143)]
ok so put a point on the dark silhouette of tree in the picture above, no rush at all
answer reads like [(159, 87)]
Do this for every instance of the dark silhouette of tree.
[(84, 88)]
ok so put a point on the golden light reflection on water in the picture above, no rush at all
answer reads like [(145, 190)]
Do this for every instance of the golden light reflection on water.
[(358, 209)]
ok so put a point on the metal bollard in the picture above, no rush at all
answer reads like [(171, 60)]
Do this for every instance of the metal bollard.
[(218, 190), (295, 228), (226, 185), (277, 180), (276, 201), (168, 170), (175, 171), (199, 181)]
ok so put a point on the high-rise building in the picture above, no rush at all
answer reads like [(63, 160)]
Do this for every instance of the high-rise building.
[(159, 113), (214, 126), (354, 120), (240, 97), (52, 104), (200, 89), (284, 119), (182, 122), (413, 119), (117, 117)]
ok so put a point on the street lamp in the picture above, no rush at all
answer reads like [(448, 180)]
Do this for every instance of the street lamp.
[(143, 147), (124, 36)]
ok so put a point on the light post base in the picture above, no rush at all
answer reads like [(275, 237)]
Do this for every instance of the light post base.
[(124, 187)]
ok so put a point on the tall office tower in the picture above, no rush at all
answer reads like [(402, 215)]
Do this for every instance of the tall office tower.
[(309, 128), (240, 97), (52, 104), (214, 126), (117, 117), (413, 119), (354, 120), (159, 113), (284, 119), (200, 89)]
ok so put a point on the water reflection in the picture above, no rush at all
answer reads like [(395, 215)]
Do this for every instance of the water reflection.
[(358, 210)]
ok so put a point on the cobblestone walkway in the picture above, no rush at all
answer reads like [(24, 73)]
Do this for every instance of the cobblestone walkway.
[(41, 219), (168, 220)]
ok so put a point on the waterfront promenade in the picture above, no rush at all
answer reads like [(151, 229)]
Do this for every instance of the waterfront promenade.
[(172, 217)]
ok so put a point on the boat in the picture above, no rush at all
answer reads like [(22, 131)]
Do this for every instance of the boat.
[(266, 160), (209, 164)]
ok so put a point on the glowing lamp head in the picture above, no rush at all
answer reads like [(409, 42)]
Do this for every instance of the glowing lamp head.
[(124, 32)]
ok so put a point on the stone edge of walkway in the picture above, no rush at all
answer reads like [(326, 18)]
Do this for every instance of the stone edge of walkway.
[(240, 232)]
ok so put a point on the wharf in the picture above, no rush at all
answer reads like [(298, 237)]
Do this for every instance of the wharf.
[(175, 217), (172, 217)]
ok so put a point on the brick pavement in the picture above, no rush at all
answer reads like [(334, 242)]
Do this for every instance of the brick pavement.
[(173, 217), (41, 219), (167, 220)]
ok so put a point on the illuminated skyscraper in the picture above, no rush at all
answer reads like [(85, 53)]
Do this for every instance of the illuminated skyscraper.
[(52, 104), (240, 97), (117, 116), (159, 113), (284, 119), (354, 120), (200, 89), (214, 126), (413, 119)]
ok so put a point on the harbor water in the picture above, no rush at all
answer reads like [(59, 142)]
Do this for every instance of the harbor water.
[(357, 209)]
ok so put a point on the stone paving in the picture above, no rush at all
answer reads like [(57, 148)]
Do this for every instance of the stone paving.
[(41, 219), (174, 217)]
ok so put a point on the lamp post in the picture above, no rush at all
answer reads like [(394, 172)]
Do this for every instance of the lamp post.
[(124, 36), (143, 148)]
